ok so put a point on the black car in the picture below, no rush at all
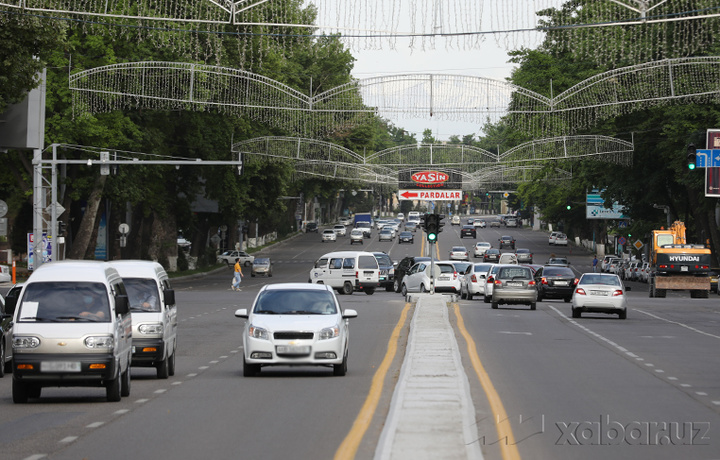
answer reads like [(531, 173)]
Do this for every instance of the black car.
[(7, 309), (491, 255), (507, 241), (468, 230), (311, 227), (406, 237), (403, 267), (386, 275), (555, 283)]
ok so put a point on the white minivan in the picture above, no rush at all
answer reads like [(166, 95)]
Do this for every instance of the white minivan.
[(154, 314), (72, 328), (347, 271)]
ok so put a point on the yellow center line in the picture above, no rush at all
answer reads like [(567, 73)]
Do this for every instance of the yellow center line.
[(350, 444), (508, 448)]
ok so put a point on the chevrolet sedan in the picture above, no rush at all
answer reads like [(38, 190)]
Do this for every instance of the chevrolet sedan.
[(459, 253), (600, 293), (514, 284), (295, 324), (329, 235), (406, 237)]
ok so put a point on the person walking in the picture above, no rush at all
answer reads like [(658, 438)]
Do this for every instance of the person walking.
[(595, 261), (238, 276)]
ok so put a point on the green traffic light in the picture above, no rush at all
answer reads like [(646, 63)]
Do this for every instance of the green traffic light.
[(691, 166), (568, 207), (432, 237)]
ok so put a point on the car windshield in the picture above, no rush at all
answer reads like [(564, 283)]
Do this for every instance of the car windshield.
[(558, 272), (446, 268), (295, 302), (458, 249), (383, 259), (366, 262), (142, 294), (483, 245), (64, 301), (461, 267), (600, 279), (514, 273), (479, 268), (261, 262)]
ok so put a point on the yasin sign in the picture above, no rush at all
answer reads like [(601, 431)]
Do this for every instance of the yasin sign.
[(429, 179)]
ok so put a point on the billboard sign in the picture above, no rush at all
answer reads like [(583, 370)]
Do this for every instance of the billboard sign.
[(429, 179), (595, 207), (712, 173)]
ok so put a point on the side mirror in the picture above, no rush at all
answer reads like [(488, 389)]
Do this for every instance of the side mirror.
[(349, 314), (241, 313), (122, 306), (169, 295)]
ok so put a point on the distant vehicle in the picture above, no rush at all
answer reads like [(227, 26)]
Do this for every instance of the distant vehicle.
[(414, 215), (600, 293), (403, 267), (561, 239), (511, 222), (552, 238), (262, 266), (455, 220), (468, 231), (524, 256), (474, 281), (366, 228), (555, 283), (357, 235), (329, 235), (386, 275), (480, 223), (401, 216), (183, 244), (495, 223), (340, 230), (558, 261), (508, 258), (311, 227), (363, 217), (229, 258), (418, 278), (480, 248), (5, 276), (514, 284), (345, 220), (507, 242), (411, 226), (605, 264), (459, 253), (491, 255), (386, 234), (406, 237), (295, 324)]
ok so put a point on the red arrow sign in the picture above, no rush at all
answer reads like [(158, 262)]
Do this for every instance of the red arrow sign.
[(407, 194)]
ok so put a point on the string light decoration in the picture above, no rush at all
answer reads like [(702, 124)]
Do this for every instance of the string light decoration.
[(610, 32), (478, 167), (174, 86)]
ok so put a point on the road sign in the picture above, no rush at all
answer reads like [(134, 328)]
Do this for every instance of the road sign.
[(638, 245), (430, 195), (622, 241), (707, 158)]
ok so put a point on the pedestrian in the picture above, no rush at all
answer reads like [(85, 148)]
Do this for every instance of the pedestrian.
[(238, 276), (595, 261)]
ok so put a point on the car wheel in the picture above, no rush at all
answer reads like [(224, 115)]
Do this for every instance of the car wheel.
[(533, 306), (250, 370), (270, 275), (622, 314), (423, 288), (162, 369), (568, 299), (469, 295), (171, 363), (34, 391), (403, 290), (19, 392), (576, 313), (486, 299), (396, 285), (463, 295), (2, 357), (340, 370), (370, 291), (347, 288), (125, 385), (113, 389), (494, 305)]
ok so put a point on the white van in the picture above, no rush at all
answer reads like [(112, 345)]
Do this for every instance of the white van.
[(154, 315), (72, 328), (347, 271)]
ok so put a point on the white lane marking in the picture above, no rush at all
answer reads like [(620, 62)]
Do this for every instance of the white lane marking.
[(67, 440), (672, 378), (95, 425), (177, 383), (202, 368), (513, 332), (717, 403), (679, 324), (121, 411), (160, 391), (701, 393), (214, 362), (141, 401), (35, 457), (192, 375)]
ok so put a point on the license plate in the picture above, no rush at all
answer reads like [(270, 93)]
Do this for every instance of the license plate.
[(514, 283), (60, 366), (368, 274), (443, 278), (684, 268), (293, 349), (561, 283), (605, 293)]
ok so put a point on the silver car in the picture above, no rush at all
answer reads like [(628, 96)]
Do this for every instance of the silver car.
[(514, 284)]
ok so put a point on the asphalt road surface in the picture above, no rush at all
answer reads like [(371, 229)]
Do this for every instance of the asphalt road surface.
[(594, 387)]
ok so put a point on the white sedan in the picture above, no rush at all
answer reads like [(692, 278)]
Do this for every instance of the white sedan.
[(329, 235), (481, 247), (418, 279), (295, 324), (600, 293), (340, 230), (474, 281), (459, 253)]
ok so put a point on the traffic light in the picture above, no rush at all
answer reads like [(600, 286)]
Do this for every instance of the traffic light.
[(431, 227), (440, 222), (568, 206), (691, 156)]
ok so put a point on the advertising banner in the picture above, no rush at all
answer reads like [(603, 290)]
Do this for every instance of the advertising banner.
[(595, 207)]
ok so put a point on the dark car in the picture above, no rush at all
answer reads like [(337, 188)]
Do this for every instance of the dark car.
[(555, 283), (311, 227), (468, 230), (507, 242), (491, 255), (7, 310), (386, 276), (403, 267), (524, 256), (406, 237)]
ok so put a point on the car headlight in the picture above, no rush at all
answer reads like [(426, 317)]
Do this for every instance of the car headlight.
[(26, 342), (329, 333), (257, 332), (99, 341), (151, 328)]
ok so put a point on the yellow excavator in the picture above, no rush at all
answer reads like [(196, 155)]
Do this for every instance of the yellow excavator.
[(676, 265)]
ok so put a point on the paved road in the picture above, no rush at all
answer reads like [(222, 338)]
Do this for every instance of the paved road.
[(557, 378)]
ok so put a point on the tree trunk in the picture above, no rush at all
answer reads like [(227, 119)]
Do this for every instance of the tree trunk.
[(87, 225)]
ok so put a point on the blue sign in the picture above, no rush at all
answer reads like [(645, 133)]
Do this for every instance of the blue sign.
[(706, 158)]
